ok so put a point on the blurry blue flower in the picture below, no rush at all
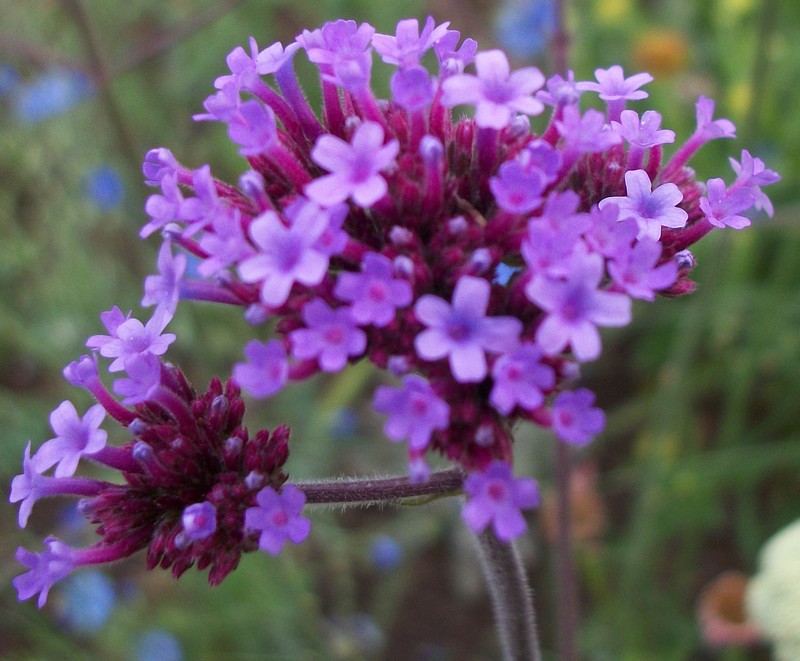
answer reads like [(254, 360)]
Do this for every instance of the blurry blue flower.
[(354, 635), (104, 188), (88, 599), (9, 78), (343, 423), (71, 523), (386, 553), (51, 93), (523, 27), (158, 645)]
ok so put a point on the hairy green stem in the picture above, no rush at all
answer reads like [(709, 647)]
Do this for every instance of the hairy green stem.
[(511, 597), (384, 490)]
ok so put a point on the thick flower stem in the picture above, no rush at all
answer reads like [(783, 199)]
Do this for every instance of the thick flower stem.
[(359, 491), (512, 601)]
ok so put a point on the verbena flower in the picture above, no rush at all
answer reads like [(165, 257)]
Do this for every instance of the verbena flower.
[(189, 472), (496, 498), (475, 254)]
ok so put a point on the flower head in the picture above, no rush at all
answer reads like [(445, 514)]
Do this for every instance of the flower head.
[(476, 257)]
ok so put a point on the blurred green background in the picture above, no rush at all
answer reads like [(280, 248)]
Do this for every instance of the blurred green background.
[(700, 463)]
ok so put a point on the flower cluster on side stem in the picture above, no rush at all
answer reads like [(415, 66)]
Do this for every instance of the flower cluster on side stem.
[(471, 256), (195, 487)]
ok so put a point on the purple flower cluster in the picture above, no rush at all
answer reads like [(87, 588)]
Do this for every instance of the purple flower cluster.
[(374, 230), (193, 481), (470, 255)]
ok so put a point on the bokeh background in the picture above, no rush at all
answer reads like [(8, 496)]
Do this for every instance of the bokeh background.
[(700, 463)]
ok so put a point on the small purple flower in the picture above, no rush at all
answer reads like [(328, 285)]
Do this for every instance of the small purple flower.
[(609, 235), (722, 206), (644, 133), (517, 188), (27, 487), (355, 167), (157, 164), (612, 85), (278, 517), (331, 336), (271, 59), (708, 128), (82, 373), (412, 89), (415, 411), (462, 332), (495, 497), (75, 437), (267, 368), (243, 68), (550, 251), (651, 209), (752, 173), (575, 307), (405, 50), (575, 420), (199, 521), (131, 338), (635, 270), (164, 208), (163, 290), (615, 89), (560, 91), (541, 156), (496, 93), (452, 61), (46, 569), (222, 106), (375, 293), (144, 377), (333, 238), (253, 128), (286, 255), (561, 214), (341, 50), (201, 210), (584, 133), (519, 379), (226, 244)]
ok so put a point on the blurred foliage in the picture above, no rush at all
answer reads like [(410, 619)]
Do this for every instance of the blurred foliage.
[(701, 459)]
